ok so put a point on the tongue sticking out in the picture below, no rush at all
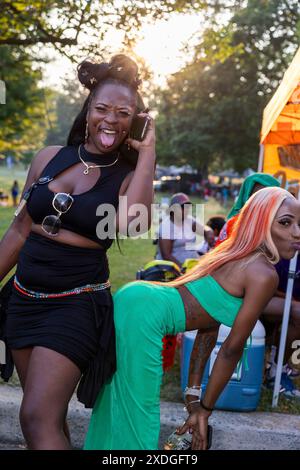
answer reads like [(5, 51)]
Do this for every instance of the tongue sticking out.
[(107, 140)]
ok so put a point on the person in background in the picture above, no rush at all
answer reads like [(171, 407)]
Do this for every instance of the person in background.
[(250, 185), (216, 223), (206, 194), (272, 319), (229, 285), (9, 162), (225, 196), (177, 231), (208, 242), (211, 232), (15, 193)]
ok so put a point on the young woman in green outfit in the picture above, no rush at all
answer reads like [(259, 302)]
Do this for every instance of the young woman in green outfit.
[(231, 285)]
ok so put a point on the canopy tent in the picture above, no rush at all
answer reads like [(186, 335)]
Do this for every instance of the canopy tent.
[(280, 133), (280, 156)]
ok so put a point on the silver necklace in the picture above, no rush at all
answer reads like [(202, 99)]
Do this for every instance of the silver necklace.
[(90, 167)]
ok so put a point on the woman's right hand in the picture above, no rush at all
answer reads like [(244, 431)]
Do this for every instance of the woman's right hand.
[(149, 140), (197, 424)]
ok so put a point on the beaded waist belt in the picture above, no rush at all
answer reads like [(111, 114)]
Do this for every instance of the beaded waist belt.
[(75, 291)]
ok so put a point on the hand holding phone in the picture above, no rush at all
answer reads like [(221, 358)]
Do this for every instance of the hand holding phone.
[(138, 132), (139, 127)]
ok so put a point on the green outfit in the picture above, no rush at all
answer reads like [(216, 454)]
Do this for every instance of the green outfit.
[(246, 189), (127, 411)]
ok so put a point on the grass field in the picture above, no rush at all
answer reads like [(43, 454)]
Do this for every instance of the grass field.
[(135, 254)]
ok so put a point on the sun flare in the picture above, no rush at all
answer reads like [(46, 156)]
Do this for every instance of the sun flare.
[(163, 41)]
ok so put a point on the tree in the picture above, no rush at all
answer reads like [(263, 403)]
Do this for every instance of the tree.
[(210, 114), (63, 24), (22, 116), (26, 27), (62, 108)]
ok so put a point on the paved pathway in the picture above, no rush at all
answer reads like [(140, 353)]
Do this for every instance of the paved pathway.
[(231, 430)]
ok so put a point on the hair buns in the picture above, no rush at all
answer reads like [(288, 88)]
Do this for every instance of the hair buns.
[(120, 68), (124, 68), (90, 74)]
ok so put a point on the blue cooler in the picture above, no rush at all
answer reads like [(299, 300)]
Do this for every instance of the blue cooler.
[(242, 392)]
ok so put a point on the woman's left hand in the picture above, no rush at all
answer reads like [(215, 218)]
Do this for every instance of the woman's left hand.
[(149, 140), (197, 424)]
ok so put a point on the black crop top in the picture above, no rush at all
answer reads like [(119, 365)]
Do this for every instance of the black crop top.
[(81, 218)]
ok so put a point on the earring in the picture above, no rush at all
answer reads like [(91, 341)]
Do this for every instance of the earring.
[(86, 135)]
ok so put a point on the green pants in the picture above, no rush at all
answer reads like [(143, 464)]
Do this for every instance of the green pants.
[(127, 411)]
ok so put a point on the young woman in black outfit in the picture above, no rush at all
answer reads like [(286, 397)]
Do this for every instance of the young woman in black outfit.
[(59, 319)]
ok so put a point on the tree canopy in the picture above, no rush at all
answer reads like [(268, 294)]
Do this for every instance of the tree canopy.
[(76, 29), (22, 116), (210, 113), (63, 24)]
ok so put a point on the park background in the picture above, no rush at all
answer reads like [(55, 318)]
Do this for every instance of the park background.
[(208, 69)]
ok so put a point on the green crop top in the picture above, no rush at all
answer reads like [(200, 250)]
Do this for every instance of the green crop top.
[(218, 303)]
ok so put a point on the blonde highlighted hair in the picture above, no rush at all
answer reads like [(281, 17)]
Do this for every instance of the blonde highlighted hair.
[(251, 236)]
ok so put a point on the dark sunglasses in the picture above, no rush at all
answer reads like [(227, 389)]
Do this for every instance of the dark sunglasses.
[(61, 203)]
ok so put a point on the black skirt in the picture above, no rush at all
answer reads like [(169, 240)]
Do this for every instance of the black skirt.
[(78, 326)]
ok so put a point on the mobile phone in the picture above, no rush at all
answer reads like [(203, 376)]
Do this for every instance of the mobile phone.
[(139, 127), (138, 131), (209, 436)]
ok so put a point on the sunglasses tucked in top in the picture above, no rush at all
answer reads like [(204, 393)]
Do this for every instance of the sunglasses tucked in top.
[(61, 203)]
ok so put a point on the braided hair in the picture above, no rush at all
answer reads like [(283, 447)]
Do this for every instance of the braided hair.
[(120, 70)]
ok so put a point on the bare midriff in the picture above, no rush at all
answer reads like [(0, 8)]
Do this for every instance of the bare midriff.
[(67, 237), (196, 316)]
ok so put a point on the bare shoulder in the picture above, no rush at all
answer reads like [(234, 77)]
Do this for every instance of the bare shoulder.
[(262, 274), (43, 157), (47, 153)]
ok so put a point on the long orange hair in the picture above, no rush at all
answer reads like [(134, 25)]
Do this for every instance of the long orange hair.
[(250, 237)]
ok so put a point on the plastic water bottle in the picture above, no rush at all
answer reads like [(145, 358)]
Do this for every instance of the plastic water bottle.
[(184, 441), (178, 442)]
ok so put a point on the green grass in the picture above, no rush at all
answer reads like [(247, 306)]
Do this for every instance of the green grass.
[(7, 177), (123, 266), (6, 216), (284, 405), (134, 254)]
